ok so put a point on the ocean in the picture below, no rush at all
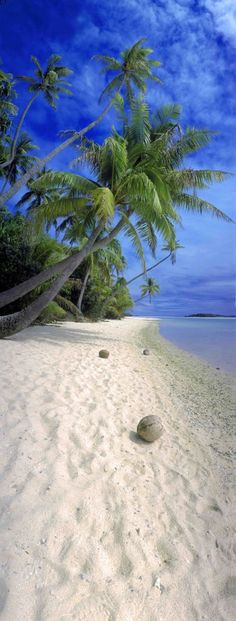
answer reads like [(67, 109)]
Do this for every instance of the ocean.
[(213, 340)]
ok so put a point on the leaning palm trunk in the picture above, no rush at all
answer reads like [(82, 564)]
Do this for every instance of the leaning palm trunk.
[(83, 289), (43, 162), (128, 282), (10, 324), (141, 298), (68, 306), (147, 270), (17, 292)]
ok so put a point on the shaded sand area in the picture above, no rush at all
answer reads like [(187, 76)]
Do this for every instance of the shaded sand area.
[(96, 524)]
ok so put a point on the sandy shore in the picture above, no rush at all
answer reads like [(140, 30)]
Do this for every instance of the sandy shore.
[(96, 524)]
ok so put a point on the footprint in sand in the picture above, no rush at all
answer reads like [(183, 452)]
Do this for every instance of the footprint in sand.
[(99, 607)]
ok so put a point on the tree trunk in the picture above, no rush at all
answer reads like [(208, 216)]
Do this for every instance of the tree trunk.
[(19, 126), (42, 162), (82, 292), (126, 284), (148, 269), (10, 295), (10, 324)]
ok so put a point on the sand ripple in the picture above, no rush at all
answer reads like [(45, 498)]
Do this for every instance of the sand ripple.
[(96, 524)]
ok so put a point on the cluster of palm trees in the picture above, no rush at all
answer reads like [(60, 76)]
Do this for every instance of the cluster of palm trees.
[(137, 183)]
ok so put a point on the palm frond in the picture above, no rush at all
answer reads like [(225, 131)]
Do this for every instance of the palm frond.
[(49, 212), (198, 205), (131, 232), (115, 83), (147, 233), (38, 67), (190, 142), (104, 203), (113, 160), (141, 192), (139, 128), (167, 113), (64, 180), (190, 178)]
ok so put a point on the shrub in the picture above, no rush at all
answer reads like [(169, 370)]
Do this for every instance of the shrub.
[(52, 312)]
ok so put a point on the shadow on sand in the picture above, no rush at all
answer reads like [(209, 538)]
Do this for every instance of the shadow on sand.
[(133, 436), (59, 334)]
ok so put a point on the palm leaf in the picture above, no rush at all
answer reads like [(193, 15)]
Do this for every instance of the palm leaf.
[(139, 129), (190, 178), (191, 141), (49, 212), (104, 203), (198, 205), (39, 68), (131, 232), (115, 83), (148, 234), (167, 113), (113, 160), (140, 192), (64, 180)]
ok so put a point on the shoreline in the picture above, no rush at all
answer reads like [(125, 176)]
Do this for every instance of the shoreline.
[(96, 523), (190, 352)]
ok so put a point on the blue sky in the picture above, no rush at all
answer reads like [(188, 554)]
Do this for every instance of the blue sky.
[(195, 40)]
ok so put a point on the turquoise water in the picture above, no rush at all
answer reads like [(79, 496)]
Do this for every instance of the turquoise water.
[(214, 340)]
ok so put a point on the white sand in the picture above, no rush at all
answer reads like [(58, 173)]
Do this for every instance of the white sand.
[(97, 525)]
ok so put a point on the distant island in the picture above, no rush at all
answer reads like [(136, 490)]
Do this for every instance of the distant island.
[(210, 315)]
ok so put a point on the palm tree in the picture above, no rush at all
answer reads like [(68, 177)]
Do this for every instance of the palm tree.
[(150, 288), (136, 61), (172, 247), (105, 261), (132, 71), (21, 162), (7, 107), (36, 197), (50, 82), (137, 189)]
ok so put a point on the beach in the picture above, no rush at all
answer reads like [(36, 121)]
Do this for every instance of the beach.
[(96, 523)]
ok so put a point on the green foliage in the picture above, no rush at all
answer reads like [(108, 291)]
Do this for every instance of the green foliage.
[(98, 292), (51, 81), (140, 180), (22, 254), (51, 313), (150, 288), (119, 304), (104, 203), (137, 175), (33, 198), (133, 70), (7, 107), (22, 160), (67, 305)]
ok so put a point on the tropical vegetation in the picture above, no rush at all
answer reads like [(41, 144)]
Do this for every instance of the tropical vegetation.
[(137, 184)]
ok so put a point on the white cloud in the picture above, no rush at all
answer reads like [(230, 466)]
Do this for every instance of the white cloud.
[(224, 15)]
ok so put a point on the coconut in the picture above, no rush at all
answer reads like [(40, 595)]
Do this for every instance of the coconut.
[(104, 353), (150, 428)]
